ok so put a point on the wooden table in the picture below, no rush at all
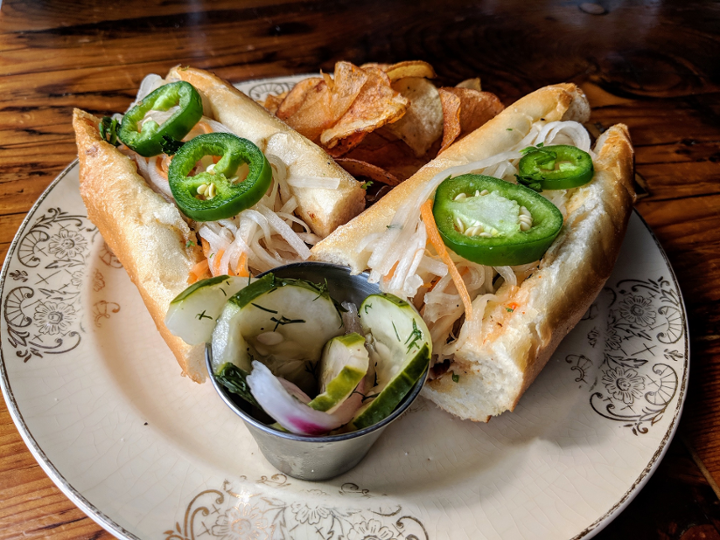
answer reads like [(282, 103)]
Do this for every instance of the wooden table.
[(653, 66)]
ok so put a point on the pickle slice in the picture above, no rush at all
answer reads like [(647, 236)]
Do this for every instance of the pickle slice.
[(400, 350), (343, 364)]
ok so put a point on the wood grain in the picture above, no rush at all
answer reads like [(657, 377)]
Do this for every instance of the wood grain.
[(651, 65)]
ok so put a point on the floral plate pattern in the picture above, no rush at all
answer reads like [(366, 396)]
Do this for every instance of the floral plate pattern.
[(98, 399)]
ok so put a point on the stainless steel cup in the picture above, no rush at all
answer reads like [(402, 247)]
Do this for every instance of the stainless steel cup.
[(316, 458)]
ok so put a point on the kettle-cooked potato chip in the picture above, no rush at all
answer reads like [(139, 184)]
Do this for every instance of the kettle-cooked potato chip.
[(296, 97), (410, 68), (377, 104), (324, 104), (474, 109), (451, 117), (364, 169), (422, 123), (471, 83)]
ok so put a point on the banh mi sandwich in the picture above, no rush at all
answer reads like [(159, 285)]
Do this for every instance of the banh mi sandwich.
[(464, 239), (198, 181)]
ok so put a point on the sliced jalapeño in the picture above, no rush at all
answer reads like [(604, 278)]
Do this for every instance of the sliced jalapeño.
[(217, 193), (555, 167), (495, 223), (146, 137)]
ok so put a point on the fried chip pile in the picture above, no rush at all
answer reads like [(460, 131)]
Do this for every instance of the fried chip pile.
[(382, 122)]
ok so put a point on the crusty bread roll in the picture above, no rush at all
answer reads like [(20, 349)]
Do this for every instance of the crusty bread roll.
[(497, 366), (149, 235)]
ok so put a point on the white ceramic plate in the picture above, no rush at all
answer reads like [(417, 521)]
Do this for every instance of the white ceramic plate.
[(98, 399)]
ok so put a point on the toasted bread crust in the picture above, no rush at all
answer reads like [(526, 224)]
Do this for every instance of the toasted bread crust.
[(323, 209), (515, 346), (146, 233)]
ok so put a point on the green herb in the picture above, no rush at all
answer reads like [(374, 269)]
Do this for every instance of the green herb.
[(414, 337), (321, 289), (367, 184), (234, 380), (509, 310), (455, 377), (190, 243), (264, 309), (538, 148), (108, 130), (509, 129), (396, 332), (170, 146), (201, 316), (283, 320), (367, 306), (529, 182)]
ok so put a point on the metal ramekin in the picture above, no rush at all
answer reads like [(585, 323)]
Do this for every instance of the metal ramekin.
[(316, 458)]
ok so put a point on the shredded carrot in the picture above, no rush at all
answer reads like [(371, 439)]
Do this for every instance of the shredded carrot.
[(197, 271), (205, 127), (216, 262), (512, 306), (391, 273), (161, 170), (439, 245), (241, 266), (165, 164), (206, 248)]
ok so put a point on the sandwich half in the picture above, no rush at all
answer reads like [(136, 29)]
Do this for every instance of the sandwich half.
[(487, 353), (128, 198)]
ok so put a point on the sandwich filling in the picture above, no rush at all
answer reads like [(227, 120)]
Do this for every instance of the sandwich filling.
[(268, 234), (452, 292)]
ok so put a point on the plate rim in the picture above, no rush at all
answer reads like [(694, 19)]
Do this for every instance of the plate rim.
[(45, 464), (108, 524)]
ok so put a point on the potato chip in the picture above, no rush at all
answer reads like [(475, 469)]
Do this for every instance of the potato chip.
[(377, 104), (364, 169), (451, 117), (475, 109), (383, 149), (272, 102), (375, 65), (325, 103), (422, 123), (471, 83), (295, 98), (409, 68), (343, 146)]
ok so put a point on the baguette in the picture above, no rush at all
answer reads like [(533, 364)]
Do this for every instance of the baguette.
[(149, 234), (493, 367), (146, 232)]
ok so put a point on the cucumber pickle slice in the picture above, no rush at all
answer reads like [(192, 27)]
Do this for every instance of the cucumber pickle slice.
[(282, 322), (343, 364), (400, 349), (193, 313)]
